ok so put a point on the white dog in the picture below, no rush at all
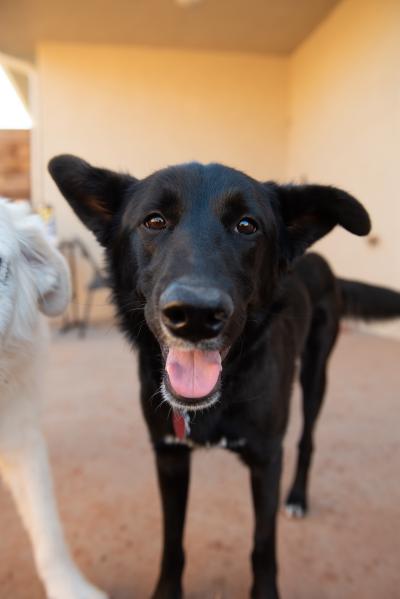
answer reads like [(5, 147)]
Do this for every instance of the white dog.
[(33, 279)]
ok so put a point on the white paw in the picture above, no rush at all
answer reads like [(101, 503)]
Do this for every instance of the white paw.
[(71, 585), (294, 511)]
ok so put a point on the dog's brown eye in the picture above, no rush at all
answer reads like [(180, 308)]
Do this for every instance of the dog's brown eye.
[(155, 222), (247, 226)]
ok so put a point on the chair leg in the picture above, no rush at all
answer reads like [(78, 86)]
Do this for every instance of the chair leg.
[(86, 314)]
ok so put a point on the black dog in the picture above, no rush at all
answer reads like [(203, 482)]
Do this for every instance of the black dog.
[(205, 274)]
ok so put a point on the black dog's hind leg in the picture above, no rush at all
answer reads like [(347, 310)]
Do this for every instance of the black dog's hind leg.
[(265, 479), (173, 469), (318, 347)]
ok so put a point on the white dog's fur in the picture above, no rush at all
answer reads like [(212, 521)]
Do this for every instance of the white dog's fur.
[(33, 279)]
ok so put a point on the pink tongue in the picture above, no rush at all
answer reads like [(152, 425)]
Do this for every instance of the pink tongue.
[(193, 373)]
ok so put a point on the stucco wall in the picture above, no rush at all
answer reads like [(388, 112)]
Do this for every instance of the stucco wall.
[(345, 128), (142, 109), (329, 113)]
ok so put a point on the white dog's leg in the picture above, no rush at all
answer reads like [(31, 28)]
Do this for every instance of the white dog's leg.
[(25, 468)]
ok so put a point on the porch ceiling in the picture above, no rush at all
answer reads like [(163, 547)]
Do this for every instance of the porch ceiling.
[(267, 26)]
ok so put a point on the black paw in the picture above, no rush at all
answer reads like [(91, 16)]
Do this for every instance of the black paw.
[(166, 590), (264, 593), (296, 505)]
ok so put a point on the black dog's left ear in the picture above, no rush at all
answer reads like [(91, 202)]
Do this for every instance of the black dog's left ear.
[(310, 211), (95, 194)]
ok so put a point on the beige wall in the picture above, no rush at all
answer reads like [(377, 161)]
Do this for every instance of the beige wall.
[(142, 109), (329, 113), (345, 128)]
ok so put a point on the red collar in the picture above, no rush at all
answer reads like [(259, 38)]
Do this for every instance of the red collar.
[(180, 422)]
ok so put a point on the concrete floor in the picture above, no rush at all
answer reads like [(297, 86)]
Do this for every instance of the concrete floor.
[(348, 547)]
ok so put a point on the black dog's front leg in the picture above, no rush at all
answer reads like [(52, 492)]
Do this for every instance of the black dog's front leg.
[(173, 468), (265, 479)]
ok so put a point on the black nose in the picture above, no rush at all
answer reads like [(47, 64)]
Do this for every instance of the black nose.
[(193, 312)]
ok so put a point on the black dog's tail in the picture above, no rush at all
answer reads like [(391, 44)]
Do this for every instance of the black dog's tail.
[(368, 302)]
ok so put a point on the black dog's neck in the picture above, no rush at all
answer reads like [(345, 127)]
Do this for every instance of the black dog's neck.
[(255, 330)]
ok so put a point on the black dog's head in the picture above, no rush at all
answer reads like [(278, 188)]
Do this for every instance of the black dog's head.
[(199, 248)]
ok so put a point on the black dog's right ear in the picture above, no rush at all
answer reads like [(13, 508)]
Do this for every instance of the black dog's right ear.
[(309, 212), (95, 194)]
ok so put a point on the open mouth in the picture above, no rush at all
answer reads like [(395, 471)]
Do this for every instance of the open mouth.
[(192, 378)]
